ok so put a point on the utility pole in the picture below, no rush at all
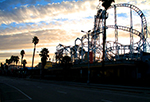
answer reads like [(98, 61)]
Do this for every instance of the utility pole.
[(88, 81)]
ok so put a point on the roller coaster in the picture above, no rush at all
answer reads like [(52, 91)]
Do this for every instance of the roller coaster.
[(113, 49)]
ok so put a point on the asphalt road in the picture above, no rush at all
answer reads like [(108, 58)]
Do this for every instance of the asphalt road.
[(22, 90)]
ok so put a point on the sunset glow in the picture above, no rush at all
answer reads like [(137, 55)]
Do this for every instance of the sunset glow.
[(54, 22)]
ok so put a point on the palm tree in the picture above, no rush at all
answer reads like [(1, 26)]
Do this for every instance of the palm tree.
[(8, 61), (22, 55), (35, 40), (24, 62), (44, 55), (12, 58), (16, 59)]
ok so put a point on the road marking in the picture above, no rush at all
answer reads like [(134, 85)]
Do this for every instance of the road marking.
[(103, 100), (62, 92), (19, 91)]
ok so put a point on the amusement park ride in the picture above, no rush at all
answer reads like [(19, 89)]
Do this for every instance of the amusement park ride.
[(90, 43), (94, 58)]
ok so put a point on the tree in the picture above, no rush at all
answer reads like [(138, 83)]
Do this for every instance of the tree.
[(24, 72), (2, 66), (44, 55), (16, 59), (35, 40), (106, 3), (22, 55), (24, 62), (12, 59), (66, 61), (8, 61)]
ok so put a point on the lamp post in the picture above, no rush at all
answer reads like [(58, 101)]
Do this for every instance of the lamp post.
[(88, 80)]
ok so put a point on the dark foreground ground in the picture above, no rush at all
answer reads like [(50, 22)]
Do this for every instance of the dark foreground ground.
[(40, 90)]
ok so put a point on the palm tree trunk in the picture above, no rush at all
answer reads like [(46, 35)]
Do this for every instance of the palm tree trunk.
[(16, 66), (21, 61), (33, 55)]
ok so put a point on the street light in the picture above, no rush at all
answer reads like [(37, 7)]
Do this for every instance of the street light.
[(88, 80)]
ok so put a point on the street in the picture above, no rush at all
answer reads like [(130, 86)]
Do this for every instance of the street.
[(22, 90)]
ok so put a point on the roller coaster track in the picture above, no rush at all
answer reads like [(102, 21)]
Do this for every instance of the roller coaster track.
[(124, 28), (139, 12)]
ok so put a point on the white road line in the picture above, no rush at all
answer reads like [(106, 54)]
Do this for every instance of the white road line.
[(62, 92), (19, 91)]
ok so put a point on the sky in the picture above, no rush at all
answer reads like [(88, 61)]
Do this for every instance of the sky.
[(54, 22)]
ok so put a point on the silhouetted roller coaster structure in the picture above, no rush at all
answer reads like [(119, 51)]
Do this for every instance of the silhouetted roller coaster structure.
[(113, 49), (93, 58)]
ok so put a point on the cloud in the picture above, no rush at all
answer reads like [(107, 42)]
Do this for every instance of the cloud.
[(13, 3), (24, 40), (70, 10), (53, 31), (8, 55)]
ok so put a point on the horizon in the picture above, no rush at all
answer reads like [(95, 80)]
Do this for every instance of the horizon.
[(54, 22)]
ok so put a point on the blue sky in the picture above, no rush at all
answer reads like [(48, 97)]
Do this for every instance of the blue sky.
[(10, 4), (54, 22)]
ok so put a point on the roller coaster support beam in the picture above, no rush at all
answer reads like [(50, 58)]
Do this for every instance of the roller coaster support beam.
[(116, 32), (131, 33)]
